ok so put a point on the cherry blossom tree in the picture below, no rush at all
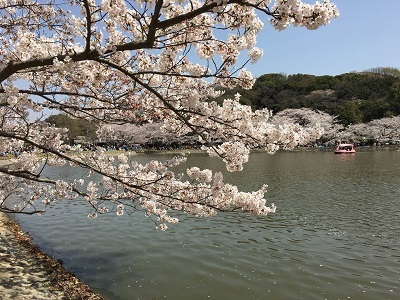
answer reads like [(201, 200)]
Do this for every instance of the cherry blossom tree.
[(309, 118), (381, 130), (144, 134), (138, 61)]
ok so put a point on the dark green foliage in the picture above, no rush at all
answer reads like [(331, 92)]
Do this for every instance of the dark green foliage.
[(376, 109), (350, 113), (394, 97), (353, 97), (76, 127)]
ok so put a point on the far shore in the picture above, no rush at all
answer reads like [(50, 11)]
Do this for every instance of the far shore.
[(7, 160)]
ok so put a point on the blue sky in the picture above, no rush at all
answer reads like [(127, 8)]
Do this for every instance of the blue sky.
[(366, 35)]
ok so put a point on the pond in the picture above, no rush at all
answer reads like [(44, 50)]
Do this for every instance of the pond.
[(335, 235)]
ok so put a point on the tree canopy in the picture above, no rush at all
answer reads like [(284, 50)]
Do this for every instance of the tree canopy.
[(76, 127), (353, 97)]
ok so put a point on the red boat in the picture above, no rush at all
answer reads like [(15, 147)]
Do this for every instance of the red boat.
[(345, 149)]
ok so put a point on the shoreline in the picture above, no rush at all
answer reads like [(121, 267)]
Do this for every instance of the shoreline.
[(6, 161), (28, 273)]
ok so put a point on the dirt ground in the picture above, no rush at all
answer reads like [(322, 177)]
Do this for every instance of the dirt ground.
[(28, 273)]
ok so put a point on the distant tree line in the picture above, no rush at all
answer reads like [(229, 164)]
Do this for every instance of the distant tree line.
[(353, 97), (151, 136)]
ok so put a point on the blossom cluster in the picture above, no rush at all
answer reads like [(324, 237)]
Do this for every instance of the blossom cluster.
[(303, 14), (155, 189), (381, 130)]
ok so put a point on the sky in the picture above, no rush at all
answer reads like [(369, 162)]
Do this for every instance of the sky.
[(366, 35)]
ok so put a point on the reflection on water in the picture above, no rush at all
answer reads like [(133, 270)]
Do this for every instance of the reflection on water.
[(335, 236)]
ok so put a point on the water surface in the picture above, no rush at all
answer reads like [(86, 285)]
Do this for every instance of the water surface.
[(335, 235)]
